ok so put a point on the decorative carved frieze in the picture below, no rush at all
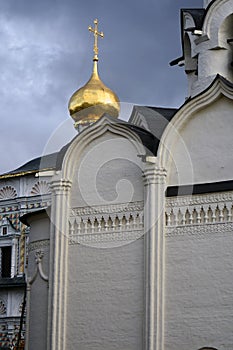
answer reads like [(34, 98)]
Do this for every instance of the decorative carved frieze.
[(7, 192), (41, 187), (38, 245), (117, 236), (106, 223), (200, 231), (2, 308), (199, 209), (108, 209)]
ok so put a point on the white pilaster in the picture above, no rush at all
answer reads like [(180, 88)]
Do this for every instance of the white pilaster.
[(154, 223), (58, 265), (14, 257)]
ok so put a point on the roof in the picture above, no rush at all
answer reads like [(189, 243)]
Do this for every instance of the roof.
[(54, 161), (154, 119), (12, 282), (46, 162), (198, 16), (199, 188)]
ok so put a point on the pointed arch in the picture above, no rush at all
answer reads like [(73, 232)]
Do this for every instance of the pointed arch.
[(173, 132), (217, 12), (90, 134)]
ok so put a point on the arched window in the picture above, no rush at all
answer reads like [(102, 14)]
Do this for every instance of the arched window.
[(207, 348)]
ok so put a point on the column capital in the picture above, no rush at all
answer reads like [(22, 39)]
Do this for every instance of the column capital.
[(152, 174), (60, 186)]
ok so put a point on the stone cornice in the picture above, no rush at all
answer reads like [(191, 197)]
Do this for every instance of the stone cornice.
[(107, 209), (117, 236), (199, 200), (200, 231)]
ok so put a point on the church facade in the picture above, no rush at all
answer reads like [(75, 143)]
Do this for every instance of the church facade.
[(123, 239)]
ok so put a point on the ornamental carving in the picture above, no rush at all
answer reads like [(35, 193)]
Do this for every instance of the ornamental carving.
[(117, 222), (108, 209), (200, 231), (8, 192), (199, 209), (38, 245), (41, 187), (2, 308), (112, 237)]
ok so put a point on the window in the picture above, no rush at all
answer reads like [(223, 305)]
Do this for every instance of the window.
[(6, 262), (4, 230)]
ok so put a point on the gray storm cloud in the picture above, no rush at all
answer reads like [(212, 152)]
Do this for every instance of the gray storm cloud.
[(46, 54)]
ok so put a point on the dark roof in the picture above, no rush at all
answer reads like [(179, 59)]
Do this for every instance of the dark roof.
[(168, 113), (157, 118), (12, 282), (147, 138), (45, 162), (198, 16), (199, 188), (24, 218)]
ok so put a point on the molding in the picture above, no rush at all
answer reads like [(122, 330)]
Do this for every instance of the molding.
[(198, 200), (91, 133), (117, 236), (41, 187), (199, 209), (153, 174), (107, 209), (39, 254), (8, 192), (38, 245), (212, 11), (60, 186), (219, 87), (119, 222), (200, 231)]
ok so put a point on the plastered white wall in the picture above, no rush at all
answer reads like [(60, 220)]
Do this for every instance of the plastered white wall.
[(105, 297), (199, 291), (39, 290), (108, 172), (203, 152)]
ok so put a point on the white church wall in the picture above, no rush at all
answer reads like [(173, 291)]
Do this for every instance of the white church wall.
[(109, 171), (199, 289), (198, 270), (203, 151), (106, 247), (37, 304), (105, 287)]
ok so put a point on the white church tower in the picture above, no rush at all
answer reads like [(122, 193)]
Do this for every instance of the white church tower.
[(135, 250), (207, 41)]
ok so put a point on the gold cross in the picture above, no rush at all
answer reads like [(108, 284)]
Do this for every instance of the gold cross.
[(96, 34)]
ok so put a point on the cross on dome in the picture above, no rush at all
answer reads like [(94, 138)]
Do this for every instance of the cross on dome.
[(96, 35)]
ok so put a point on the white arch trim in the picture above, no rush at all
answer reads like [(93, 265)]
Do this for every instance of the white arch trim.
[(216, 14), (88, 135), (172, 132)]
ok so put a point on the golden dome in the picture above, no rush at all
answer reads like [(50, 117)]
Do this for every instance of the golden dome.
[(91, 101)]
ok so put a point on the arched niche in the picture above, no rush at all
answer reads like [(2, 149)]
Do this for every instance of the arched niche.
[(104, 166), (217, 13)]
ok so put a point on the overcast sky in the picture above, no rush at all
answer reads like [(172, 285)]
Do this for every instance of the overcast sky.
[(46, 54)]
